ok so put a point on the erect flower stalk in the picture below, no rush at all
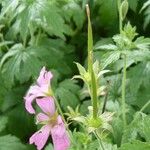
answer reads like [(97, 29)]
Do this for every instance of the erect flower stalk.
[(99, 140), (62, 115), (90, 41), (123, 94), (93, 82)]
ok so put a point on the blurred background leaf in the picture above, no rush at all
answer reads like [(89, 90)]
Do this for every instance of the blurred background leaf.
[(53, 33)]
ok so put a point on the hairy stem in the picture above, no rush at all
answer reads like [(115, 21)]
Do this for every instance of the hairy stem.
[(124, 92), (94, 95), (141, 110), (93, 84), (62, 115), (25, 42), (145, 106), (99, 140)]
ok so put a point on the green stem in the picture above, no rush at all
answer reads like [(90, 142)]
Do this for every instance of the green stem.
[(124, 70), (141, 110), (62, 115), (99, 140), (90, 42), (25, 42), (120, 16), (124, 92), (59, 109), (144, 107), (32, 34), (2, 38), (94, 95), (38, 36), (93, 84)]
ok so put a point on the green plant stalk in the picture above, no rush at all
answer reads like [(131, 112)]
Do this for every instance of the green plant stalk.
[(25, 42), (120, 16), (38, 36), (141, 110), (124, 92), (32, 34), (93, 84), (94, 95), (99, 140), (2, 39), (62, 115), (145, 106), (90, 42)]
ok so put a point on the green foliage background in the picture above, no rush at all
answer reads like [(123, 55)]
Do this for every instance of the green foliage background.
[(53, 33)]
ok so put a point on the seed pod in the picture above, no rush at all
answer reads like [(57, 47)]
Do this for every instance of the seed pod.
[(124, 9)]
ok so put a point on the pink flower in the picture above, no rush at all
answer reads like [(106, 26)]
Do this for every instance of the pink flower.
[(41, 89), (52, 125), (44, 77)]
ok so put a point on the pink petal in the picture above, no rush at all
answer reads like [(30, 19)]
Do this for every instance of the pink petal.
[(37, 91), (32, 93), (28, 103), (59, 135), (40, 78), (40, 137), (44, 77), (48, 76), (45, 89), (47, 105), (41, 117)]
